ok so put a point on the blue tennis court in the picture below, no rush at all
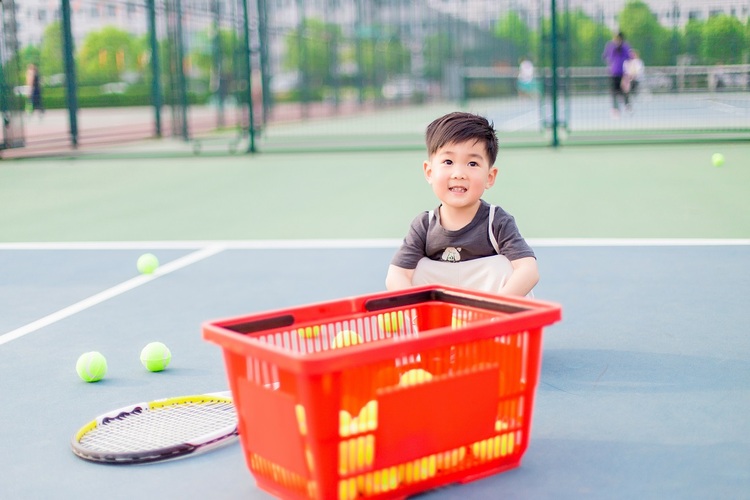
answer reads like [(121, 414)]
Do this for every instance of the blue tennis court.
[(644, 389)]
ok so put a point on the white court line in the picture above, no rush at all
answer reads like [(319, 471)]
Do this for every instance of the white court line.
[(356, 243), (116, 290)]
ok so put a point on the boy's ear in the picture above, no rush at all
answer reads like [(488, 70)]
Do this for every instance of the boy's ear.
[(427, 168), (491, 176)]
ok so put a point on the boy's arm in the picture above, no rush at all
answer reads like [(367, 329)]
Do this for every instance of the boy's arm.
[(398, 278), (525, 276)]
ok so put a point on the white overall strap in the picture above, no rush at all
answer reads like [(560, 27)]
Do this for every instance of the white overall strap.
[(493, 240)]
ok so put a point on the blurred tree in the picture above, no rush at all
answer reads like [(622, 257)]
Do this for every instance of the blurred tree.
[(723, 40), (587, 39), (50, 51), (693, 39), (438, 50), (644, 33), (513, 29), (307, 51), (107, 54)]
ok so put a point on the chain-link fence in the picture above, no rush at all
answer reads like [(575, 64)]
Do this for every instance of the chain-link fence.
[(330, 74)]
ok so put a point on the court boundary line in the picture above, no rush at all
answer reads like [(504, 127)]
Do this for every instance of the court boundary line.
[(111, 292), (354, 243)]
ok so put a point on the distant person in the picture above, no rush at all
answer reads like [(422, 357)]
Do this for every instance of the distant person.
[(526, 83), (34, 84), (633, 70), (616, 52), (465, 241)]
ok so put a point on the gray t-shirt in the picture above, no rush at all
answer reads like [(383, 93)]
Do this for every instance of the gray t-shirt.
[(427, 238)]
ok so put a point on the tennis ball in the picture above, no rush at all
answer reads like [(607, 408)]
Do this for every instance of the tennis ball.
[(147, 263), (91, 366), (346, 338), (391, 322), (414, 376), (717, 159), (309, 332), (368, 416), (155, 356)]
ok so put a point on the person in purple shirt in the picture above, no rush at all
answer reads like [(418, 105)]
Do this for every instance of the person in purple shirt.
[(616, 52)]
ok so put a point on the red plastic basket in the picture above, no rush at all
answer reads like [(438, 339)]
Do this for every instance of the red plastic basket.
[(432, 385)]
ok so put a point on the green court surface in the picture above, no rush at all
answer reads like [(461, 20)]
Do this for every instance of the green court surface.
[(631, 191)]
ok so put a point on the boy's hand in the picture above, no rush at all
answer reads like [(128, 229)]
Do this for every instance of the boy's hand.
[(525, 276), (398, 278)]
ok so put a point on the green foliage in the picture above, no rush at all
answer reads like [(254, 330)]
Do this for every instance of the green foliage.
[(693, 39), (644, 33), (586, 39), (107, 54), (723, 40), (513, 29), (310, 49), (51, 52), (438, 49)]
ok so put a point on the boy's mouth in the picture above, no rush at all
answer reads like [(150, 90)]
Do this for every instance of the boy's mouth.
[(457, 189)]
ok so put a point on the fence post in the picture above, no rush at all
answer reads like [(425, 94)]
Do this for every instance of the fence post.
[(248, 76), (155, 69), (553, 41), (70, 72)]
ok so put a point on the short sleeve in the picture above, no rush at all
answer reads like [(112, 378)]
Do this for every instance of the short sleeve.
[(412, 250)]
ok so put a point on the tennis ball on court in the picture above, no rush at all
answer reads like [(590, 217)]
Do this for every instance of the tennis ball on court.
[(147, 263), (91, 366), (717, 159), (346, 338), (155, 356)]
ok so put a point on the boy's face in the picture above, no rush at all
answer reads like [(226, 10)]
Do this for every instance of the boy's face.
[(459, 173)]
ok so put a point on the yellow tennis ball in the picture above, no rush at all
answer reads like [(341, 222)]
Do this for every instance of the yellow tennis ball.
[(414, 376), (155, 357), (391, 322), (346, 338), (91, 366), (147, 263), (309, 332), (717, 159)]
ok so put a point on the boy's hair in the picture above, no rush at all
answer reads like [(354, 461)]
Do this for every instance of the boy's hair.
[(461, 127)]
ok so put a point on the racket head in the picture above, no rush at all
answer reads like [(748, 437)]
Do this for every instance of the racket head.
[(159, 430)]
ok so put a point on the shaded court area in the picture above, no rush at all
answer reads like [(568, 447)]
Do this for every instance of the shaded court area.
[(643, 389)]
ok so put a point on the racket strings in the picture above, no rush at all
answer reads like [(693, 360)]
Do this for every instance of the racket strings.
[(161, 427)]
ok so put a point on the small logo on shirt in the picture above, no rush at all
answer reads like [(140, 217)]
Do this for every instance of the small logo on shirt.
[(451, 254)]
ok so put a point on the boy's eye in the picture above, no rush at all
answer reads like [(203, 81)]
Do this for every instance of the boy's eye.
[(473, 164), (448, 162)]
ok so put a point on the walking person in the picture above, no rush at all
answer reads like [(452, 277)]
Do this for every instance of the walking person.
[(34, 84)]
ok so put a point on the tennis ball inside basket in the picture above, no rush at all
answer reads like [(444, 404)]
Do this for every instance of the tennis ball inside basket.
[(414, 376), (309, 332), (155, 357), (391, 322), (346, 338), (147, 263), (91, 366)]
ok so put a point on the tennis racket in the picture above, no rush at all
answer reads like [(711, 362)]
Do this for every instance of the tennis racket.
[(159, 430)]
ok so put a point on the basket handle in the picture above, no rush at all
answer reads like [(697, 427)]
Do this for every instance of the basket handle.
[(444, 296)]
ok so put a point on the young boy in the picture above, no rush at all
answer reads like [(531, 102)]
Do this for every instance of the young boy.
[(466, 241)]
